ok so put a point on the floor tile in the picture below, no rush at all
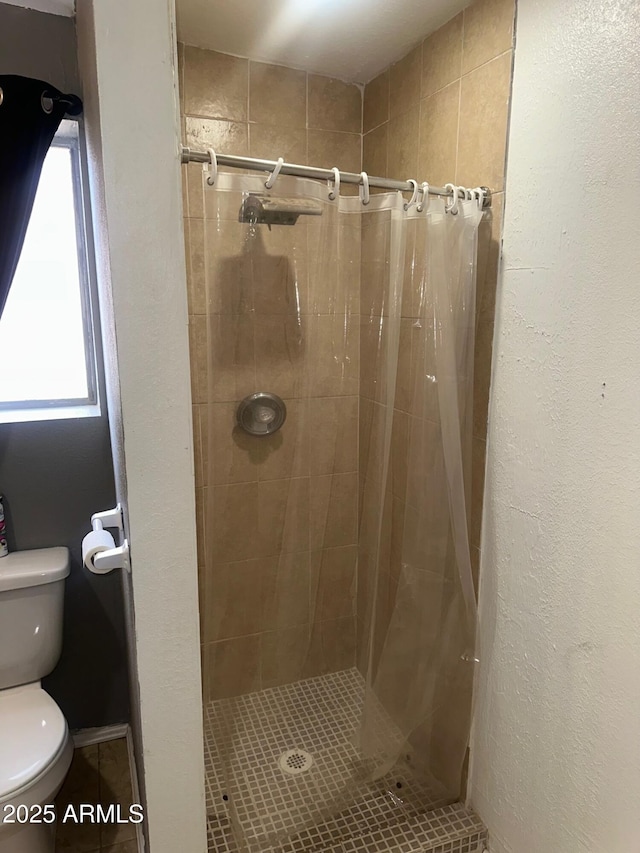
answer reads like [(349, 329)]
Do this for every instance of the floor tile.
[(331, 804)]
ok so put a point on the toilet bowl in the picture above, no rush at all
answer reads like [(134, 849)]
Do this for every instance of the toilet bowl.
[(35, 746), (36, 752)]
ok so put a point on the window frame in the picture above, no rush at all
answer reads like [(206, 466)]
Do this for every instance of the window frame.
[(70, 136)]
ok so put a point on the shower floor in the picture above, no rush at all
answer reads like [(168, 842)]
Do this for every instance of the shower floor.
[(326, 807)]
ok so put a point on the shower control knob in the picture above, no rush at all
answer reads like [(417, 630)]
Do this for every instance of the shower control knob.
[(261, 414), (265, 415)]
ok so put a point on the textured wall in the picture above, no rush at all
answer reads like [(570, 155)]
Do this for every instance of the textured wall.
[(557, 759), (142, 260), (55, 474), (296, 492)]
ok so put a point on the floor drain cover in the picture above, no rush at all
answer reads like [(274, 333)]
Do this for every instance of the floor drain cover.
[(295, 761)]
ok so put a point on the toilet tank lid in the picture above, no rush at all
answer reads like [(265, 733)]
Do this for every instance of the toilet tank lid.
[(21, 569)]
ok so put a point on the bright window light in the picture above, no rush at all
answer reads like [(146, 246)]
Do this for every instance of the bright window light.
[(46, 346)]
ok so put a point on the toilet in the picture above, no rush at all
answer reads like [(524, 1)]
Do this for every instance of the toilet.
[(35, 746)]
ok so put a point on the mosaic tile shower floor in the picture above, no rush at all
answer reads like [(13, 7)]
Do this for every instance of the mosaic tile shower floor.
[(328, 807)]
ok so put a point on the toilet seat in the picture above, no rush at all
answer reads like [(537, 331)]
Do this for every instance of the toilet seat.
[(33, 733)]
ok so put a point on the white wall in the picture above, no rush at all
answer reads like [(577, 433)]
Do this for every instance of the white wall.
[(556, 750), (127, 62)]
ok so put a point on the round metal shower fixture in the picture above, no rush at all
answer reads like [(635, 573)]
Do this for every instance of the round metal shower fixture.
[(261, 413)]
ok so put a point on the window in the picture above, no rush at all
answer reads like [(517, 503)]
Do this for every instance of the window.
[(47, 353)]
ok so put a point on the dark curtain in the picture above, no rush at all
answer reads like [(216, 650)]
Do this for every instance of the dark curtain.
[(30, 114)]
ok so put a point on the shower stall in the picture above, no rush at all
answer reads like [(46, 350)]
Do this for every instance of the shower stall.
[(332, 377)]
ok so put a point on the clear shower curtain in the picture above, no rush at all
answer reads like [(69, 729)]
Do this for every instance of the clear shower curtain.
[(359, 316), (421, 620), (279, 313)]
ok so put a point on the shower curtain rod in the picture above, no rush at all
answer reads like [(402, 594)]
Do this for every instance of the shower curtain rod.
[(235, 162)]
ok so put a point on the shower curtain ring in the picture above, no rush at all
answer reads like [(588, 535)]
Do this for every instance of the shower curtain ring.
[(478, 192), (424, 196), (414, 194), (211, 167), (364, 188), (453, 207), (274, 175), (335, 192)]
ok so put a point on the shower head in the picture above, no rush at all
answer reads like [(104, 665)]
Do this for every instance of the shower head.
[(271, 210)]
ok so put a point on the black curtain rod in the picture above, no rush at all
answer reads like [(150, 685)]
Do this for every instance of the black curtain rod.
[(72, 103)]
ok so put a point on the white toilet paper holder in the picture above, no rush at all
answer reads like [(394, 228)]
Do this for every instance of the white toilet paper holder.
[(108, 518), (113, 558)]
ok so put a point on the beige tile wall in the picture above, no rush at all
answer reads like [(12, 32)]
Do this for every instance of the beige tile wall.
[(277, 587), (440, 114), (250, 108)]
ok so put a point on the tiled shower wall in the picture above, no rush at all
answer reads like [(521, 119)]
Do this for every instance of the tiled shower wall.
[(438, 114), (293, 493), (259, 110)]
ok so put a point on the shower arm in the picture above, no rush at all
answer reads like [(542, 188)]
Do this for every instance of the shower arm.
[(316, 173)]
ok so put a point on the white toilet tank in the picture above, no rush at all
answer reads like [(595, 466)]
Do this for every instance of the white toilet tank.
[(31, 606)]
